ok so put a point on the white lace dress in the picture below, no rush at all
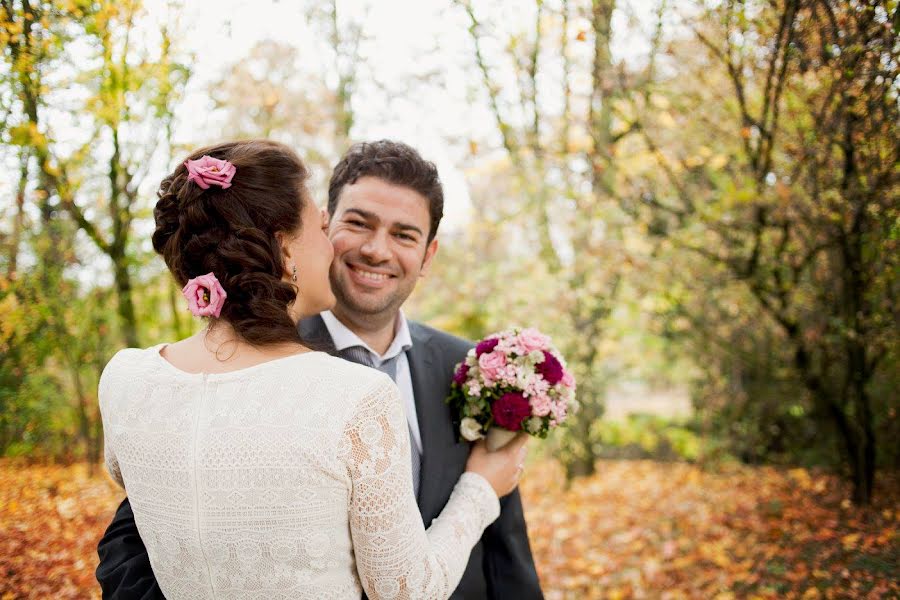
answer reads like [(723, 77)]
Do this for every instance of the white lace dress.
[(288, 479)]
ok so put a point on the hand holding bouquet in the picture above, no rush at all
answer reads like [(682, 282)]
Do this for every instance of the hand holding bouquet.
[(511, 381)]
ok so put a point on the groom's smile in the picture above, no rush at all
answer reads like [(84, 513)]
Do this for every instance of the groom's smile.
[(379, 231), (366, 276)]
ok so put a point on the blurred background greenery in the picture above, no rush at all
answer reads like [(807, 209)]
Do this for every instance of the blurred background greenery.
[(698, 200)]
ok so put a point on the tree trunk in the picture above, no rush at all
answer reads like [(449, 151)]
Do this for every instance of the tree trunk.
[(602, 92), (864, 470), (344, 116), (96, 455), (19, 219), (857, 435), (582, 456), (580, 459), (125, 301), (861, 458), (84, 420)]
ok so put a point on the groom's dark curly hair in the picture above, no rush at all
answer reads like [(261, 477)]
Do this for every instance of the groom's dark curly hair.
[(396, 163)]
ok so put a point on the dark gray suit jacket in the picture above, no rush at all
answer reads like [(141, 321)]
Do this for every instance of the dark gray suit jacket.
[(500, 565)]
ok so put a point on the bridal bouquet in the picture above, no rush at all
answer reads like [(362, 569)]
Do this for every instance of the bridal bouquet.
[(511, 381)]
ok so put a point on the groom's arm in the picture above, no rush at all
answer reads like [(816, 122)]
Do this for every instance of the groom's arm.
[(508, 565), (124, 571)]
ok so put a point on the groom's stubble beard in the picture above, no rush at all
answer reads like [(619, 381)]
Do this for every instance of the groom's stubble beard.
[(372, 310)]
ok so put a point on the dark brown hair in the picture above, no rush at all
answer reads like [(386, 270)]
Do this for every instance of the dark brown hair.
[(231, 232), (396, 163)]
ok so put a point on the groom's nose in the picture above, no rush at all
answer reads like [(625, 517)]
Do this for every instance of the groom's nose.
[(375, 248)]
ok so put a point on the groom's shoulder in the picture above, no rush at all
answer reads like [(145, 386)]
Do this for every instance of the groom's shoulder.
[(449, 343), (350, 378)]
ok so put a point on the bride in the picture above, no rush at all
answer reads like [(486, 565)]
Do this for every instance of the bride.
[(258, 467)]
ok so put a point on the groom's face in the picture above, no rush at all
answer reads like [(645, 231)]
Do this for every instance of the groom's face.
[(380, 236)]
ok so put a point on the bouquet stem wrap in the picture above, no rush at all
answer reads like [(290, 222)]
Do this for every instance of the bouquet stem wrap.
[(497, 438)]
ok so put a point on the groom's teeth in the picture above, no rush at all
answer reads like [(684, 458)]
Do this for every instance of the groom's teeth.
[(372, 276)]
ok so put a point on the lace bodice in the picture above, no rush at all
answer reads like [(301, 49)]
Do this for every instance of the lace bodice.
[(289, 479)]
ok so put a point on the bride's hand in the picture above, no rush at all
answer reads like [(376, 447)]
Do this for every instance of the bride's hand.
[(501, 468)]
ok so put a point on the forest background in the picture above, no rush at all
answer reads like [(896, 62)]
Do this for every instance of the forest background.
[(698, 200)]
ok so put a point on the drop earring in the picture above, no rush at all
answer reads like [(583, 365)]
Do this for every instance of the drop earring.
[(294, 274)]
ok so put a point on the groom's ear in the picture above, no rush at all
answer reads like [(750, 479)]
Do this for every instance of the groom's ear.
[(430, 251)]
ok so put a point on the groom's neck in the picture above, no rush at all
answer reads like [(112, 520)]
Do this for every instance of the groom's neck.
[(377, 332)]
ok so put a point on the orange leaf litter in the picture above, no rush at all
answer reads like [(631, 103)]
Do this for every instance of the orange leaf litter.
[(635, 529)]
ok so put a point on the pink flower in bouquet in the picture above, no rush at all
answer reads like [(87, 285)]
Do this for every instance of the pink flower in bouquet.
[(540, 405), (511, 345), (559, 411), (531, 339), (568, 379), (207, 171), (486, 346), (536, 386), (550, 369), (510, 375), (492, 365), (510, 410), (205, 295)]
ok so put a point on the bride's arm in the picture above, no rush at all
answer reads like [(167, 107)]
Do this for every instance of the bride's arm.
[(124, 571), (395, 556), (109, 379)]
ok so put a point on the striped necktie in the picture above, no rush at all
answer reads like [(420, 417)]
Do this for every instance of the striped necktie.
[(362, 356)]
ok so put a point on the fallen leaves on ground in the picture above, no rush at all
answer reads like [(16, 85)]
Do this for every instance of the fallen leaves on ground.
[(643, 529), (636, 529), (51, 518)]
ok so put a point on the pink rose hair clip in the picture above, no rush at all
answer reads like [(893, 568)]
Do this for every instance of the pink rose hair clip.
[(205, 296), (208, 171)]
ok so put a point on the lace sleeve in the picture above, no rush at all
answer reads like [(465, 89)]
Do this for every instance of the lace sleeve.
[(396, 557), (104, 397)]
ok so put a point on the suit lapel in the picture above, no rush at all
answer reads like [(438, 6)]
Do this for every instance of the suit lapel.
[(420, 365), (315, 334), (443, 459)]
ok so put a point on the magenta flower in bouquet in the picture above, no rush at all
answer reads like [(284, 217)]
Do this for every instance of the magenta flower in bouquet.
[(511, 381)]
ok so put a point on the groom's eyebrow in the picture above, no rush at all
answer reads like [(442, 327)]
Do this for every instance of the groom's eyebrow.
[(362, 213), (370, 216), (408, 227)]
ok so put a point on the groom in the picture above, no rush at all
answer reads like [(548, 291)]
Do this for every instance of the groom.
[(385, 204)]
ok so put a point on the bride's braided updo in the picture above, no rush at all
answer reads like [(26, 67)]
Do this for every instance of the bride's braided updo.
[(231, 233)]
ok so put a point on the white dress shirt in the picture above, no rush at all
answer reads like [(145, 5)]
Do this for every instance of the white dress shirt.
[(344, 338)]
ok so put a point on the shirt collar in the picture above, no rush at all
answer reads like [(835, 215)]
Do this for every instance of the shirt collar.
[(344, 338)]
